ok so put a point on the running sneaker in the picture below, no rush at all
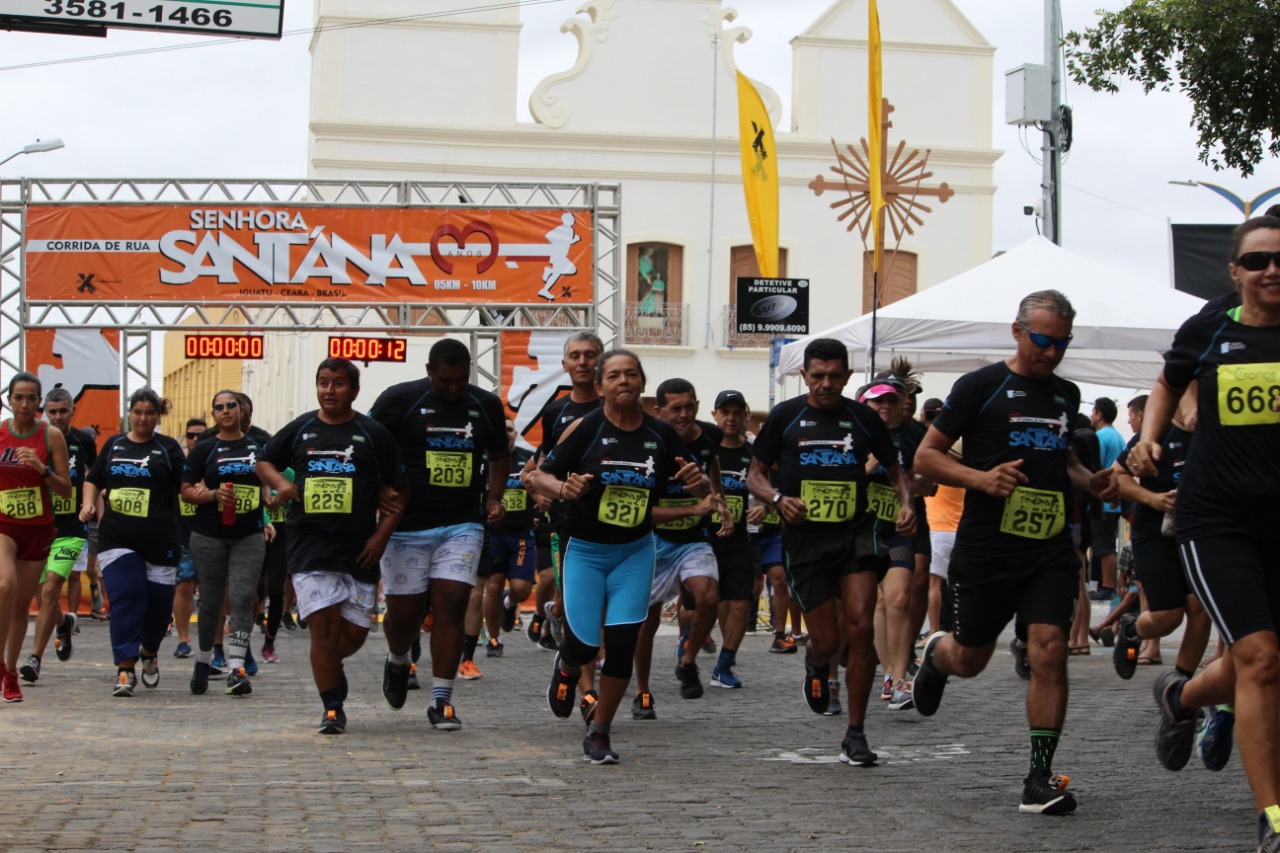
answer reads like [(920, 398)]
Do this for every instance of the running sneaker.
[(1021, 664), (854, 750), (395, 683), (709, 645), (690, 683), (800, 639), (126, 681), (287, 621), (1174, 737), (596, 748), (334, 721), (269, 653), (587, 705), (218, 666), (183, 650), (643, 708), (62, 637), (834, 708), (1269, 831), (493, 648), (1215, 737), (557, 625), (238, 683), (412, 682), (508, 613), (151, 672), (817, 690), (724, 677), (1043, 793), (534, 629), (886, 689), (99, 615), (926, 690), (30, 671), (200, 679), (548, 643), (1125, 652), (783, 645), (12, 692), (468, 671), (901, 699), (250, 665), (442, 717), (562, 690)]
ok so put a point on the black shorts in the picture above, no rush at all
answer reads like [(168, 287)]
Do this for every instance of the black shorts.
[(1237, 579), (542, 538), (1038, 591), (1104, 532), (1155, 559), (817, 557), (513, 556), (739, 567)]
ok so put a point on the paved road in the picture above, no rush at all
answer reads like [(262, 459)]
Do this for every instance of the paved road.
[(740, 770)]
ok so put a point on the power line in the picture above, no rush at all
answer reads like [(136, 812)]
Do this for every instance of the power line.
[(306, 31)]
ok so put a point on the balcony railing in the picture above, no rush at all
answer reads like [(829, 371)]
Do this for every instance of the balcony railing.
[(664, 325), (734, 338)]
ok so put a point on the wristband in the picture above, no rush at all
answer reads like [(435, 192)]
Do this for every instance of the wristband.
[(563, 483)]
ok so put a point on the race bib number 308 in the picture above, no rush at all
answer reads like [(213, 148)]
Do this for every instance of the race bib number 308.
[(1033, 514), (1247, 394), (829, 500), (328, 494), (134, 502)]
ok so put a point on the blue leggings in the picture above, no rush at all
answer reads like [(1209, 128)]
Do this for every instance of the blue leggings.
[(609, 579), (140, 609)]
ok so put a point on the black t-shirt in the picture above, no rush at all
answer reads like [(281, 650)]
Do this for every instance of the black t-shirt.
[(691, 529), (338, 469), (882, 497), (630, 470), (1003, 416), (1173, 458), (141, 483), (214, 463), (735, 462), (556, 418), (518, 520), (1229, 480), (822, 458), (443, 445), (82, 452)]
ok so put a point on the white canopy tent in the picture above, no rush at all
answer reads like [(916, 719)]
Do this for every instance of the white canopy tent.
[(1122, 324)]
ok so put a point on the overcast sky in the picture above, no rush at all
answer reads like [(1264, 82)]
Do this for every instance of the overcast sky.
[(240, 109)]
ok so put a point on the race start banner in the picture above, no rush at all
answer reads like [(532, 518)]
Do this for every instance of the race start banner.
[(85, 253)]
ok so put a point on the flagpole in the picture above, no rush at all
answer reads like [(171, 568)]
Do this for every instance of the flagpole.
[(711, 226)]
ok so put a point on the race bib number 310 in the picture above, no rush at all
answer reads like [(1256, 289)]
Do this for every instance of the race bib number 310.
[(328, 494), (1247, 394), (623, 506), (883, 501), (829, 500), (1033, 514)]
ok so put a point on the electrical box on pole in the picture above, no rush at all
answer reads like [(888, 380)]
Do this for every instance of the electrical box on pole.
[(1028, 95)]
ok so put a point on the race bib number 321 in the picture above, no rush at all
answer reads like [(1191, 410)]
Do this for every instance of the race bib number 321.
[(623, 506)]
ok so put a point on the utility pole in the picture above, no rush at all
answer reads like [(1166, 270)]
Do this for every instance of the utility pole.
[(1053, 129)]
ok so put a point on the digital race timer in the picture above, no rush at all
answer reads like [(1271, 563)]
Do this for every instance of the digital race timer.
[(358, 348), (224, 346)]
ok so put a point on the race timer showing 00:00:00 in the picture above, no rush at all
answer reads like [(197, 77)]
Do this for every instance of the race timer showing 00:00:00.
[(369, 349), (224, 346)]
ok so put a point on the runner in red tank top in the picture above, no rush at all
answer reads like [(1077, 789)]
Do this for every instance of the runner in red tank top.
[(33, 460)]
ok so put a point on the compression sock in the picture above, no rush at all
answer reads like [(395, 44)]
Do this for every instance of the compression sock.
[(1044, 743)]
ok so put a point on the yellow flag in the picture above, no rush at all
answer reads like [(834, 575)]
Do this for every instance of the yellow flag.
[(759, 175), (875, 145)]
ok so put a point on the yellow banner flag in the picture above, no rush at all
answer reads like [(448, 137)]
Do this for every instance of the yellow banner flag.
[(759, 175), (875, 144)]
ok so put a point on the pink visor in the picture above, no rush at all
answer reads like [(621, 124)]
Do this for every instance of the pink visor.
[(878, 391)]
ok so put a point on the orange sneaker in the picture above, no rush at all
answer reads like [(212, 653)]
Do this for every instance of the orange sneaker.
[(469, 671)]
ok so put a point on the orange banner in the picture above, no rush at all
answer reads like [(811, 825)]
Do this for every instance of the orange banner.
[(533, 377), (86, 362), (235, 253)]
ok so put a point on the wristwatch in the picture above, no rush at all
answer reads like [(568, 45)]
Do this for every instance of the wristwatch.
[(777, 496), (48, 472)]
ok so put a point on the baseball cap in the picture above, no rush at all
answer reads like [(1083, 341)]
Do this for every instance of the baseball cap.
[(725, 397), (932, 406)]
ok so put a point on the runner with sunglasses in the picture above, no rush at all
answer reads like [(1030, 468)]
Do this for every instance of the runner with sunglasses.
[(1013, 554), (1226, 513)]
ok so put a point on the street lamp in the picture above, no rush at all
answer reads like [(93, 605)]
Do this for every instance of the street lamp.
[(35, 148), (1245, 207)]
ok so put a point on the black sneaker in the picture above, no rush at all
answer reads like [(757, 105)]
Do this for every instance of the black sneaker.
[(534, 629), (596, 749), (200, 679), (587, 705), (493, 648), (562, 690), (30, 671), (643, 708), (1125, 653), (817, 691), (334, 721), (508, 614), (238, 683), (1216, 736), (1174, 737), (854, 750), (1021, 665), (690, 683), (395, 683), (1046, 794), (548, 643), (62, 640), (442, 717), (926, 690), (411, 683), (287, 621)]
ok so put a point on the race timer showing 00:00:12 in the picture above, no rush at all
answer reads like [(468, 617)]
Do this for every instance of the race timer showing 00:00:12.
[(358, 348)]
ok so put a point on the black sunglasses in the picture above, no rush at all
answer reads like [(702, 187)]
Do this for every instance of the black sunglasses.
[(1258, 261), (1044, 341), (194, 435), (218, 407)]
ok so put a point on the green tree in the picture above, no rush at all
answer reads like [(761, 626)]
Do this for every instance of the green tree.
[(1223, 54)]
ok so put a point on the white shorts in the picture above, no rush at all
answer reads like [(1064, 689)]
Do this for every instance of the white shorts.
[(413, 559), (82, 562), (167, 575), (941, 541), (318, 590), (676, 564)]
